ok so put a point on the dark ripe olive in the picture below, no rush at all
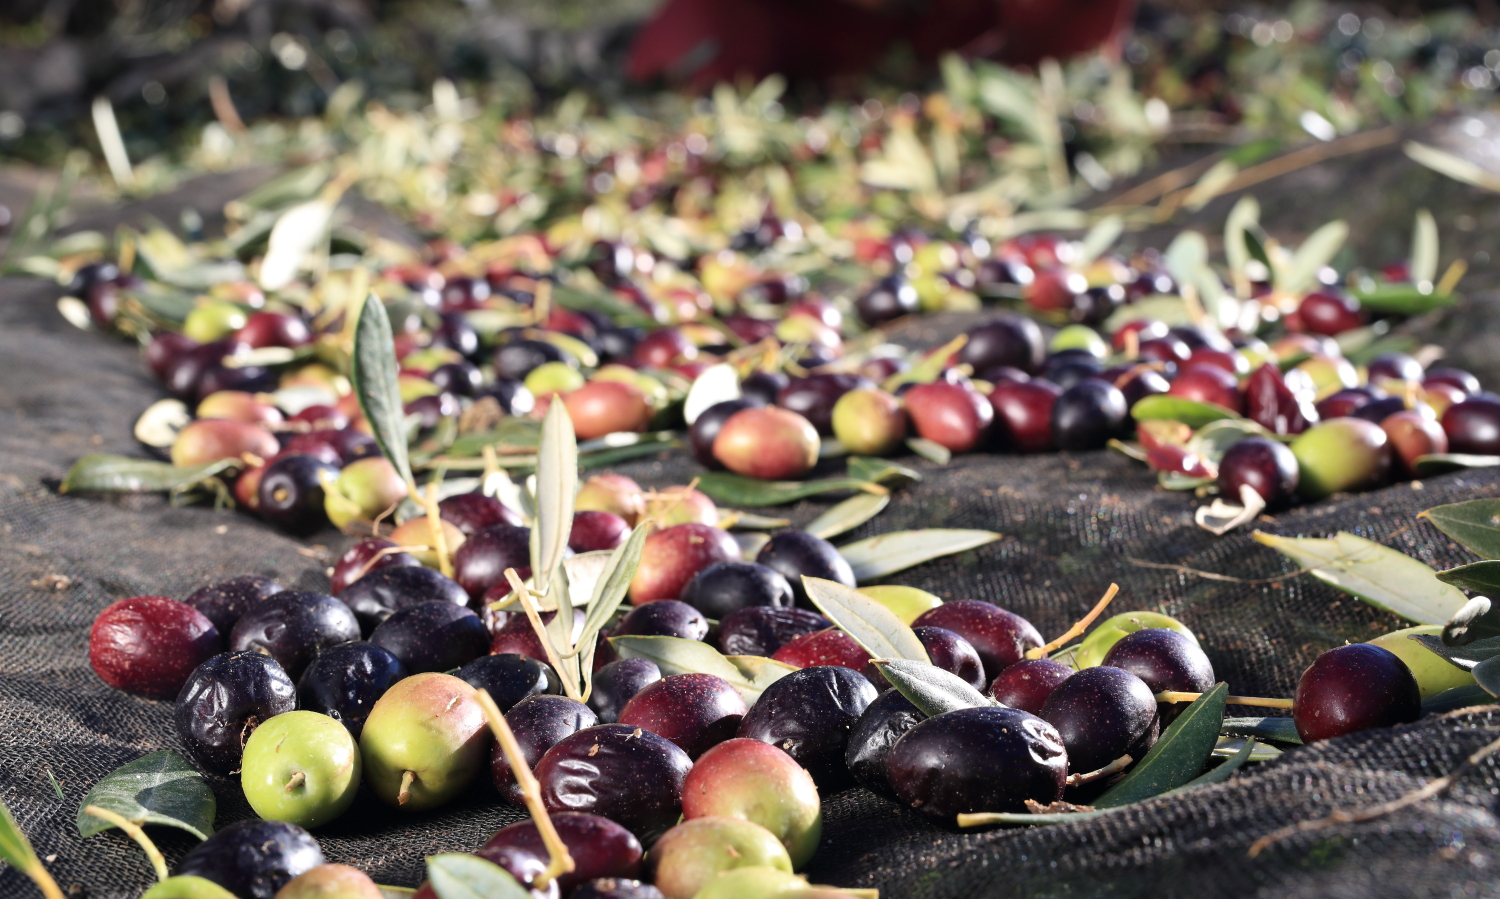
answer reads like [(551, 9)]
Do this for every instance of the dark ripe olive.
[(827, 647), (983, 759), (1227, 361), (481, 561), (1167, 348), (1377, 411), (166, 348), (1023, 414), (793, 554), (616, 888), (599, 847), (1067, 369), (695, 711), (103, 300), (1011, 340), (763, 387), (1330, 312), (517, 358), (513, 632), (433, 636), (593, 531), (292, 626), (1139, 382), (1208, 384), (1267, 466), (761, 630), (1000, 637), (616, 683), (813, 397), (353, 445), (1197, 338), (344, 681), (253, 859), (1352, 688), (1101, 714), (1027, 684), (664, 348), (1413, 435), (263, 329), (385, 591), (703, 431), (431, 410), (150, 645), (1087, 415), (1271, 403), (883, 722), (1473, 426), (183, 372), (664, 618), (999, 375), (1394, 367), (461, 293), (366, 557), (291, 492), (624, 773), (1344, 402), (217, 376), (1453, 377), (953, 654), (455, 333), (311, 444), (749, 328), (539, 723), (616, 344), (87, 276), (223, 603), (808, 715), (1142, 329), (510, 393), (1164, 659), (457, 378), (223, 701), (999, 271), (726, 587), (890, 298), (1097, 303), (510, 678), (473, 512)]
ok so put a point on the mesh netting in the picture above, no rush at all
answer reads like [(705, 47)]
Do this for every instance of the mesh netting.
[(1072, 524)]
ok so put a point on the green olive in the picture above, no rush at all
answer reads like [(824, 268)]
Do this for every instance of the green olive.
[(1434, 673), (754, 882), (1340, 455), (300, 767), (906, 602), (1102, 638)]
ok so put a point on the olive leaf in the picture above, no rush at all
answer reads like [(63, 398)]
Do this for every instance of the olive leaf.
[(1442, 463), (1301, 271), (1178, 756), (1475, 524), (930, 450), (297, 232), (847, 515), (1424, 249), (882, 472), (931, 689), (609, 592), (159, 788), (1242, 217), (1455, 167), (1464, 657), (1280, 730), (1482, 577), (1163, 407), (738, 490), (105, 473), (876, 557), (871, 624), (1239, 751), (1456, 698), (761, 671), (676, 655), (457, 875), (556, 486), (374, 373), (1487, 675), (1379, 575), (558, 632), (1100, 238)]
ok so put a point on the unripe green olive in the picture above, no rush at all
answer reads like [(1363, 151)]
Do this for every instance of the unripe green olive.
[(300, 767)]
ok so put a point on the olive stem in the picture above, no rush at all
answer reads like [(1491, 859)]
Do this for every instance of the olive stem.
[(541, 302), (296, 781), (1341, 816), (408, 777), (1451, 277), (381, 554), (1114, 767), (435, 529), (1262, 702), (1078, 627), (560, 861), (535, 618), (135, 833)]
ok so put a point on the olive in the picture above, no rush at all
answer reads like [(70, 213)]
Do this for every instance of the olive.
[(1086, 415), (1473, 426), (890, 298), (1000, 637), (292, 626), (510, 678), (433, 636), (1023, 414), (761, 630), (253, 859), (706, 428), (726, 587), (695, 711), (664, 618), (1352, 688), (617, 682), (1101, 714), (1027, 684), (808, 714), (223, 603), (794, 554), (224, 700), (1266, 466), (344, 681), (538, 723), (300, 767), (385, 591), (882, 723), (624, 773), (1012, 340), (365, 557), (1339, 455), (291, 492)]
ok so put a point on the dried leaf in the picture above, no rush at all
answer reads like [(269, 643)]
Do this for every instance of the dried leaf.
[(1424, 249), (297, 232), (877, 557), (1455, 167)]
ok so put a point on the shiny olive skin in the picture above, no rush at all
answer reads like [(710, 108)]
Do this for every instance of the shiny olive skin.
[(1000, 637), (793, 554), (1353, 688), (366, 557), (1266, 466), (1027, 684), (626, 774), (695, 711), (539, 723), (385, 591), (1164, 659), (726, 587), (433, 636), (882, 723), (344, 681), (616, 683), (1473, 426), (224, 602), (664, 618), (1012, 340), (1101, 714), (473, 512), (150, 645), (1087, 415), (599, 847), (980, 759), (761, 630), (510, 678), (808, 714), (482, 560), (291, 493), (253, 859), (223, 701), (292, 626)]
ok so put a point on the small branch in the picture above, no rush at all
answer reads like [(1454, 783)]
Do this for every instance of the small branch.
[(435, 529), (223, 106), (560, 861), (1114, 767), (1431, 790), (1078, 627), (135, 833), (1259, 701), (535, 618)]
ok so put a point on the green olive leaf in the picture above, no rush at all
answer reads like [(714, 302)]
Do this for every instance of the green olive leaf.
[(848, 515), (1164, 407), (609, 592), (105, 473), (1402, 298), (1280, 730), (761, 671), (1487, 675), (1379, 575), (676, 655), (1475, 524), (1178, 757), (930, 450), (1442, 463), (159, 788), (457, 875), (738, 490), (1301, 272), (1239, 751), (886, 554), (556, 486), (1424, 248), (882, 472), (931, 689), (1456, 698), (16, 850), (374, 373), (871, 624)]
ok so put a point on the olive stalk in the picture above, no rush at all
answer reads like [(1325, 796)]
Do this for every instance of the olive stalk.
[(529, 604), (1114, 767), (1078, 627), (559, 860), (435, 528), (135, 833), (1260, 701)]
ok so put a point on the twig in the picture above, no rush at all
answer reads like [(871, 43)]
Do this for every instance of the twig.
[(1114, 767), (532, 615), (135, 833), (223, 106), (1164, 183), (1078, 627), (560, 861), (1431, 790), (1260, 701)]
